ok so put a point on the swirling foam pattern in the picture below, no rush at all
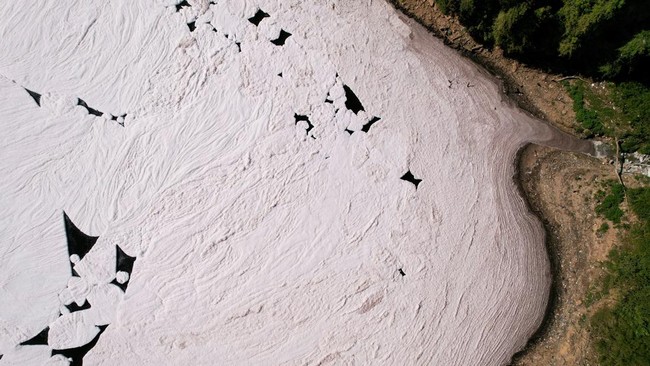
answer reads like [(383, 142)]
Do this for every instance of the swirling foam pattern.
[(259, 240)]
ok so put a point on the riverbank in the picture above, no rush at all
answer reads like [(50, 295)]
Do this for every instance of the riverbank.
[(559, 187)]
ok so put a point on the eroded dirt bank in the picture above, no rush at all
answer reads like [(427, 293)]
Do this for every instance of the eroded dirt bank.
[(560, 187)]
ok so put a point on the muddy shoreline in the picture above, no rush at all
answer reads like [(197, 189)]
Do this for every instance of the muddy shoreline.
[(510, 91), (551, 250)]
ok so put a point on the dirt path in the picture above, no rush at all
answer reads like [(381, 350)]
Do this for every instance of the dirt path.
[(560, 187)]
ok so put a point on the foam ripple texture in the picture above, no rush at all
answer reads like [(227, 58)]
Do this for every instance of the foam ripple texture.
[(260, 242)]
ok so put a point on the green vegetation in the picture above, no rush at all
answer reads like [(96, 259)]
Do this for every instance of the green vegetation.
[(639, 200), (602, 38), (609, 205), (622, 331), (630, 56), (633, 100), (603, 228), (590, 119), (615, 110)]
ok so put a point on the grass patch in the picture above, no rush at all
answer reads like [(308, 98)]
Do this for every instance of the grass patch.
[(609, 204), (591, 121), (621, 332), (614, 110)]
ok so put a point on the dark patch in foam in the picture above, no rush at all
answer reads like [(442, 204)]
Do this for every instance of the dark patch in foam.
[(281, 38), (181, 5), (90, 110), (36, 96), (122, 286), (38, 340), (77, 354), (367, 126), (328, 98), (410, 178), (401, 271), (78, 242), (299, 117), (191, 26), (351, 101), (95, 112), (124, 263), (73, 307), (258, 17), (114, 118)]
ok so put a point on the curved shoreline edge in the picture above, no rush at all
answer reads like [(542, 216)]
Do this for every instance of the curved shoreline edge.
[(523, 103), (553, 258)]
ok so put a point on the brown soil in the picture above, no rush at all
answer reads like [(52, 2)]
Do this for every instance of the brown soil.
[(560, 187)]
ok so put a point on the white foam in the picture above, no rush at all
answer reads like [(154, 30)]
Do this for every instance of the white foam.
[(256, 243)]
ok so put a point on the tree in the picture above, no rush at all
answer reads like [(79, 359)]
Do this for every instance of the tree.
[(582, 18)]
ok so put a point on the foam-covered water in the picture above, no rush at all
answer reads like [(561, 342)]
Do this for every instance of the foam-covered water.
[(326, 183)]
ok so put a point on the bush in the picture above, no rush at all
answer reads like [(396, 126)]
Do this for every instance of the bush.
[(581, 18), (604, 227), (511, 29), (639, 199), (478, 16), (622, 337), (632, 57), (633, 99), (448, 6), (610, 205)]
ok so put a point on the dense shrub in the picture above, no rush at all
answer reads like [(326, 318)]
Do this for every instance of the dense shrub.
[(631, 57), (609, 207), (639, 199), (511, 29), (583, 18), (603, 38), (633, 99)]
